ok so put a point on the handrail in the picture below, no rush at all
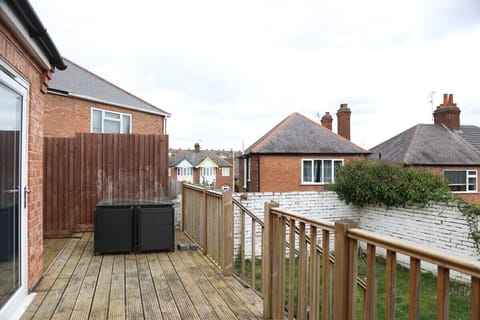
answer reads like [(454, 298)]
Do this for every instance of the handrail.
[(324, 224), (248, 212), (454, 263), (202, 189)]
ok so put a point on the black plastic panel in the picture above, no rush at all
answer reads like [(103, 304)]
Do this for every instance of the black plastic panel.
[(113, 229), (155, 229)]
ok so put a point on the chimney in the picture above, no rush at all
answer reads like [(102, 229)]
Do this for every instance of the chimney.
[(343, 118), (447, 113), (327, 121), (196, 147)]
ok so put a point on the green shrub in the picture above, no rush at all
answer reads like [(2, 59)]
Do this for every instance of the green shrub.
[(372, 183)]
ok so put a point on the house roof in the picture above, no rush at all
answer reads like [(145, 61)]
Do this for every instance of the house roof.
[(299, 134), (428, 144), (195, 158), (471, 134), (80, 83)]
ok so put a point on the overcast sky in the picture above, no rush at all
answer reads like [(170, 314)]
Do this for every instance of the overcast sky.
[(228, 71)]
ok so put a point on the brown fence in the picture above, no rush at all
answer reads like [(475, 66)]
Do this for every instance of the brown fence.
[(80, 171)]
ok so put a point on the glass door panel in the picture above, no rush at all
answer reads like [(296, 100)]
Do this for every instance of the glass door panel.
[(10, 167)]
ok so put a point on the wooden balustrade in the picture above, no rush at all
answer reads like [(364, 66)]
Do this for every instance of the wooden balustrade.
[(207, 219), (298, 267)]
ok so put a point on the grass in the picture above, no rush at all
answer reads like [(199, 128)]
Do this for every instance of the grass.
[(459, 307)]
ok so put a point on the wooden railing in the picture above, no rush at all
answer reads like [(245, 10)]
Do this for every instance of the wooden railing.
[(309, 291), (207, 219), (416, 254)]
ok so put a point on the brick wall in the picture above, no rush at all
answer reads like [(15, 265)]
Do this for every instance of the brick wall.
[(282, 173), (15, 55), (470, 197), (221, 180), (440, 227), (65, 116)]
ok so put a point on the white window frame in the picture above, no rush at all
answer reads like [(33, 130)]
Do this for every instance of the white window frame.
[(312, 160), (225, 171), (468, 174), (208, 171), (185, 171), (103, 111)]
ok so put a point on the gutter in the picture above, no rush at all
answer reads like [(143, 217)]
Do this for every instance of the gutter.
[(38, 32)]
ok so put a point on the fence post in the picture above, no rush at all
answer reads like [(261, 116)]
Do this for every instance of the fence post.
[(345, 272), (226, 240), (183, 206), (267, 250)]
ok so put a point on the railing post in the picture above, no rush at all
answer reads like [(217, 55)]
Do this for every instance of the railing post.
[(183, 206), (345, 272), (226, 240), (268, 247)]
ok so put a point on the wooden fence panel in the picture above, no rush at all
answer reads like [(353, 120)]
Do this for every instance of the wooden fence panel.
[(80, 171)]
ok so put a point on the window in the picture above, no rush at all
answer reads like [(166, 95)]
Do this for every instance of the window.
[(225, 172), (319, 171), (104, 121), (208, 171), (184, 171), (461, 180), (169, 171)]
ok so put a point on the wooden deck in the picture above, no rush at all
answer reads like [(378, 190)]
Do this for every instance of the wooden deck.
[(174, 285)]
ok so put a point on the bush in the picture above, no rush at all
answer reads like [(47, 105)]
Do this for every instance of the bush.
[(372, 183)]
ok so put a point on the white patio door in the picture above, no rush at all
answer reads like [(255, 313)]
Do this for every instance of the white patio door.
[(13, 258)]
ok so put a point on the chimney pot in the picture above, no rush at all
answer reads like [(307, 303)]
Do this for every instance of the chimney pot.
[(445, 100), (196, 147)]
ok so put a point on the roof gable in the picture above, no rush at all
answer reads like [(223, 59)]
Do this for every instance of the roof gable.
[(207, 163), (78, 82), (427, 144), (299, 134)]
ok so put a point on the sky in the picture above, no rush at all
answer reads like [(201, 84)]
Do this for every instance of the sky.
[(229, 71)]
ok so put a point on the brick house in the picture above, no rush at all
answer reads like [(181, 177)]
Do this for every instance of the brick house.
[(80, 101), (201, 167), (299, 154), (28, 57), (445, 147)]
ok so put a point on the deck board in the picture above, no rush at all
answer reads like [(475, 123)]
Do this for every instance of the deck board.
[(164, 285)]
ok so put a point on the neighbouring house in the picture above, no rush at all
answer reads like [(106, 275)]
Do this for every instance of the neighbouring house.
[(79, 101), (28, 57), (299, 154), (201, 167), (445, 147)]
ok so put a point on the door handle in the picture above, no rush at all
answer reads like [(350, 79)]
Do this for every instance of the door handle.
[(11, 191), (26, 190)]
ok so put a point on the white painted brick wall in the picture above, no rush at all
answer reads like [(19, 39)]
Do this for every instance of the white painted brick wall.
[(439, 227)]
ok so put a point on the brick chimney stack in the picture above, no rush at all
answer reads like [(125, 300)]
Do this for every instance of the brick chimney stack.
[(343, 118), (196, 147), (327, 120), (447, 113)]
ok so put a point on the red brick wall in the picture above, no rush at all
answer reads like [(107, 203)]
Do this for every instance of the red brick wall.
[(221, 180), (12, 52), (281, 173), (470, 197), (65, 116)]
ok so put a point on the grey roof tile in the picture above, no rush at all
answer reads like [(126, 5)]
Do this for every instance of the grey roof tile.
[(195, 158), (471, 134), (427, 144), (298, 134), (79, 82)]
